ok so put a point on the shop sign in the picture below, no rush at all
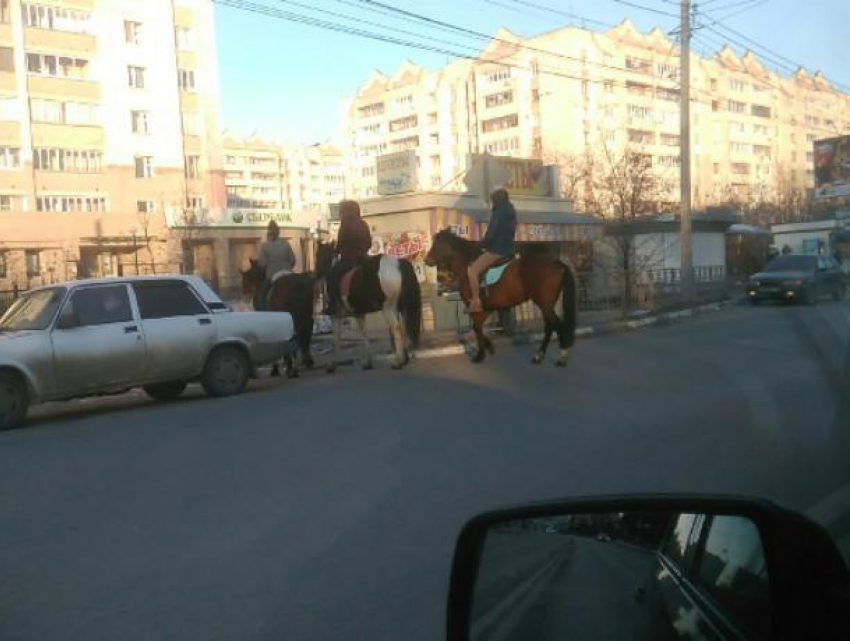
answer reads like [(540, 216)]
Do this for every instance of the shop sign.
[(396, 172)]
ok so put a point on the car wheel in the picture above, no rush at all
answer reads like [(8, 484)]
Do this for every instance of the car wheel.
[(165, 391), (14, 400), (226, 373)]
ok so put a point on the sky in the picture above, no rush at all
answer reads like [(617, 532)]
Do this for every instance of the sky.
[(285, 81)]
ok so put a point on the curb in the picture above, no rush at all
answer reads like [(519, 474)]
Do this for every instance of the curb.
[(586, 331)]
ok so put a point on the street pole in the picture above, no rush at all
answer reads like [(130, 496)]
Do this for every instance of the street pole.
[(686, 271), (135, 253)]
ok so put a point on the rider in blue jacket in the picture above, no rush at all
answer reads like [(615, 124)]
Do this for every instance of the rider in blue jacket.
[(497, 243)]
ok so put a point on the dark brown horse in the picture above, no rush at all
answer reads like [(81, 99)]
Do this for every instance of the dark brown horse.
[(293, 293), (381, 284), (540, 279)]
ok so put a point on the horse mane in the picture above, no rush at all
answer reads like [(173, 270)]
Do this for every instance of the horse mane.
[(467, 248)]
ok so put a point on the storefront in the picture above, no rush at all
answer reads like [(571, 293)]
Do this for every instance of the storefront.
[(403, 226)]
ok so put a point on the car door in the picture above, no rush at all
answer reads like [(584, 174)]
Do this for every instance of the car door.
[(178, 328), (730, 577), (97, 343)]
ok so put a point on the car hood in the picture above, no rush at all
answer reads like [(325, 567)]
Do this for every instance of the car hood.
[(783, 275)]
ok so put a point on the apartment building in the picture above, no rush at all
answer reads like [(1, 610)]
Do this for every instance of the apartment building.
[(291, 184), (109, 125), (573, 93)]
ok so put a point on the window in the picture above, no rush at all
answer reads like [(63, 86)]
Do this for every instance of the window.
[(71, 204), (501, 98), (100, 306), (761, 111), (8, 203), (608, 111), (141, 122), (761, 130), (733, 572), (185, 38), (3, 265), (713, 84), (403, 102), (668, 161), (638, 88), (10, 109), (671, 95), (812, 121), (367, 172), (666, 70), (715, 105), (186, 79), (132, 32), (167, 300), (739, 148), (642, 113), (10, 157), (639, 65), (670, 140), (7, 59), (56, 18), (678, 543), (740, 169), (504, 146), (400, 124), (136, 77), (736, 84), (503, 73), (195, 203), (33, 261), (608, 86), (191, 123), (641, 137), (71, 113), (4, 11), (375, 109), (762, 150), (144, 167), (737, 107), (68, 160), (497, 124), (146, 206), (57, 66), (411, 142)]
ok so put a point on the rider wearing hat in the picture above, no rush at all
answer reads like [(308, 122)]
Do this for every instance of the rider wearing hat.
[(498, 243), (276, 256)]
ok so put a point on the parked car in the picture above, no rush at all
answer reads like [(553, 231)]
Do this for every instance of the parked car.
[(93, 337), (798, 278)]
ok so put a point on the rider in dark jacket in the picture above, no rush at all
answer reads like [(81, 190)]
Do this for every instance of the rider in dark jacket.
[(497, 243), (353, 244)]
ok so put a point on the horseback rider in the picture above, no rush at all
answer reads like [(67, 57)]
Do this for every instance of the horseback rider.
[(352, 247), (498, 243), (276, 256)]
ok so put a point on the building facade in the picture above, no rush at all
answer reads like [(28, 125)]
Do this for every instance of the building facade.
[(574, 96), (109, 125)]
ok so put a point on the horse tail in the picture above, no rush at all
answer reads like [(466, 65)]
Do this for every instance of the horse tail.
[(569, 301), (410, 301)]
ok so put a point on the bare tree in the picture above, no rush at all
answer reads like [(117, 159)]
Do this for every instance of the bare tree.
[(573, 175), (145, 223), (625, 187)]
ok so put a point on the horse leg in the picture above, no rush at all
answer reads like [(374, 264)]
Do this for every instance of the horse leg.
[(544, 344), (337, 321), (564, 340), (361, 324), (478, 324), (394, 321), (291, 367)]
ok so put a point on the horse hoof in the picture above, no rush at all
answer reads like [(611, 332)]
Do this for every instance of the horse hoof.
[(331, 369), (368, 365), (538, 358), (491, 348), (561, 362), (275, 373), (478, 357), (397, 366), (293, 373)]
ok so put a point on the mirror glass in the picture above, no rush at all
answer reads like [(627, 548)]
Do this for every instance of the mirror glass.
[(622, 576)]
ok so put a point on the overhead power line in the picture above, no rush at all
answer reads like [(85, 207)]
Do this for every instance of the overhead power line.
[(557, 12)]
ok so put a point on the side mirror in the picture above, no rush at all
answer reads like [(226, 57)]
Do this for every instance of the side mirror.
[(68, 321), (647, 567)]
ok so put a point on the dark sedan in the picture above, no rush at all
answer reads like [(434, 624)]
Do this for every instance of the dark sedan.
[(798, 278)]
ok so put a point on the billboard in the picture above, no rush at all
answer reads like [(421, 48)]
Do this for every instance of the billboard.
[(832, 167), (397, 173), (525, 176)]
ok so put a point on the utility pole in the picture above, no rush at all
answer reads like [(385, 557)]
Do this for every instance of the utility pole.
[(687, 272)]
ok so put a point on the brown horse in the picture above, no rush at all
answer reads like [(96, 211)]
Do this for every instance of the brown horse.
[(537, 278), (293, 293)]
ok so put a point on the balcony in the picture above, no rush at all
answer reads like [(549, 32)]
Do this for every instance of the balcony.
[(56, 41), (64, 88)]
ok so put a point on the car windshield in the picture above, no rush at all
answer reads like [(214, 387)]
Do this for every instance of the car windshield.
[(792, 263), (33, 311)]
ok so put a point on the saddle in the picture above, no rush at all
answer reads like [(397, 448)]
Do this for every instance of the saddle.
[(345, 283), (493, 274)]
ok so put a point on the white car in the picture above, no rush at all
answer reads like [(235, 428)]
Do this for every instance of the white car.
[(92, 337)]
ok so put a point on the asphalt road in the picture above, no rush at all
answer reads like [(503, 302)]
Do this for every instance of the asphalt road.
[(327, 507), (560, 587)]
